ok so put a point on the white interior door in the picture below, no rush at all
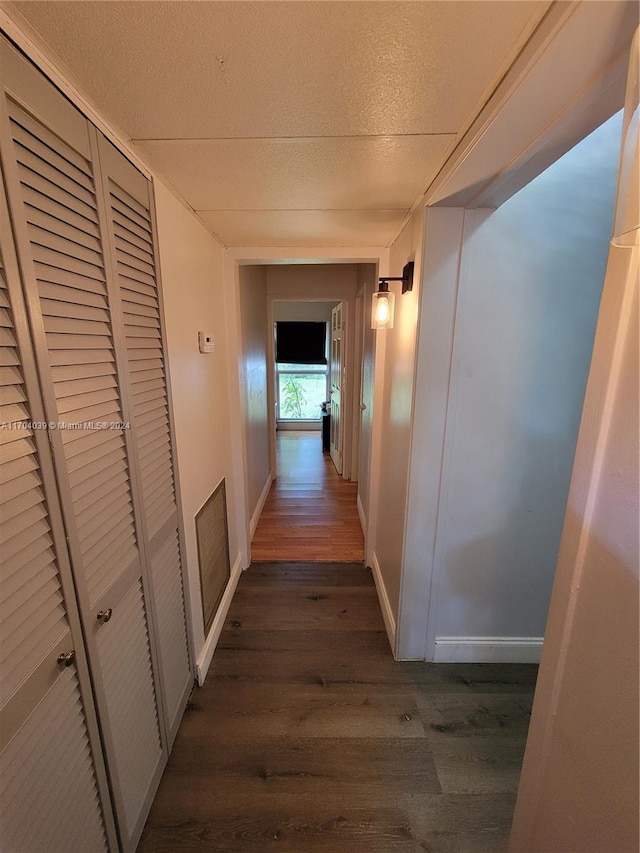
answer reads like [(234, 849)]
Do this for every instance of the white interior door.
[(337, 376)]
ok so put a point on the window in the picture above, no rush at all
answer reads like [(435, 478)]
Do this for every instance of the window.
[(301, 389)]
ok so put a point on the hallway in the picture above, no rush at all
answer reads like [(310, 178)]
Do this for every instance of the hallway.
[(307, 735), (310, 513)]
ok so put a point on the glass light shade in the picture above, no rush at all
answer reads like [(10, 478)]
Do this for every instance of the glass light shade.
[(382, 308)]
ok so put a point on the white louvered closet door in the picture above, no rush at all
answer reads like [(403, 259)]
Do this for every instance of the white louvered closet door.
[(59, 237), (131, 238), (53, 787)]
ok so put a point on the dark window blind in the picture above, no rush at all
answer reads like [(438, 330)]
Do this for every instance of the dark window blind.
[(301, 343)]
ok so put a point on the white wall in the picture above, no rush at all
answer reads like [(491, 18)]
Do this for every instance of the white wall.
[(579, 783), (253, 376), (529, 283), (395, 374), (579, 786), (366, 287), (191, 263), (438, 300), (303, 312)]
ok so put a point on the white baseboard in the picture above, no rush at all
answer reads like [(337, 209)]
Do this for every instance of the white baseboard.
[(487, 649), (362, 516), (255, 518), (385, 605), (299, 426), (205, 656)]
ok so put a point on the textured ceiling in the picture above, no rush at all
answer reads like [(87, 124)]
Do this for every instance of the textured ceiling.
[(290, 123)]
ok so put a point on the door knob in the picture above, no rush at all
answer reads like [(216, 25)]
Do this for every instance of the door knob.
[(104, 615), (66, 659)]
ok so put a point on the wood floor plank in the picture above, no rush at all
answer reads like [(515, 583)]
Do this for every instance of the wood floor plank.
[(490, 764), (308, 828), (300, 766), (307, 737), (453, 715), (318, 714), (311, 511), (236, 636), (272, 574)]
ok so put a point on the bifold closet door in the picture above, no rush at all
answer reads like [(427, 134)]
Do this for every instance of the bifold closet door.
[(53, 786), (53, 194), (137, 307)]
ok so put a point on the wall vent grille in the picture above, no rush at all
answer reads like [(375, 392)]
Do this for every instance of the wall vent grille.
[(212, 533)]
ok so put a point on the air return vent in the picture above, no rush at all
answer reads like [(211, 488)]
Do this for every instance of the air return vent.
[(213, 552)]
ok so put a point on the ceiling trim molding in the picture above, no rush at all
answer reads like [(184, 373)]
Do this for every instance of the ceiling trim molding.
[(279, 255), (590, 110), (466, 180)]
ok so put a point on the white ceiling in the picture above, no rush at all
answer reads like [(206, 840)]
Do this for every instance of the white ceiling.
[(316, 123)]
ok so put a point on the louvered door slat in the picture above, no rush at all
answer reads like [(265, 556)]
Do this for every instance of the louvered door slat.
[(138, 309), (158, 448), (156, 470), (90, 452), (128, 238), (68, 372), (137, 260), (173, 631), (51, 242), (22, 498), (16, 448), (10, 527), (33, 621), (43, 187), (35, 521), (44, 222), (96, 503), (32, 133), (30, 570), (127, 687), (146, 374), (130, 220), (133, 277), (133, 253), (85, 441), (47, 784), (57, 254), (47, 163), (131, 297), (84, 402), (102, 381), (105, 460), (142, 321), (68, 310), (92, 531), (134, 285), (8, 376)]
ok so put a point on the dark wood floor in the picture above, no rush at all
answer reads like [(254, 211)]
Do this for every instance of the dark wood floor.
[(310, 512), (307, 736)]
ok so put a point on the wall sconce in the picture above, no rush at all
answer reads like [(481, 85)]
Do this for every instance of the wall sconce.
[(382, 306), (383, 302)]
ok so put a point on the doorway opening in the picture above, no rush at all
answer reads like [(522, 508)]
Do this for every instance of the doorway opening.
[(302, 492)]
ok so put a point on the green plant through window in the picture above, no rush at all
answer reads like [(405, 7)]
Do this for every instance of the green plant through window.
[(301, 391), (293, 398)]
